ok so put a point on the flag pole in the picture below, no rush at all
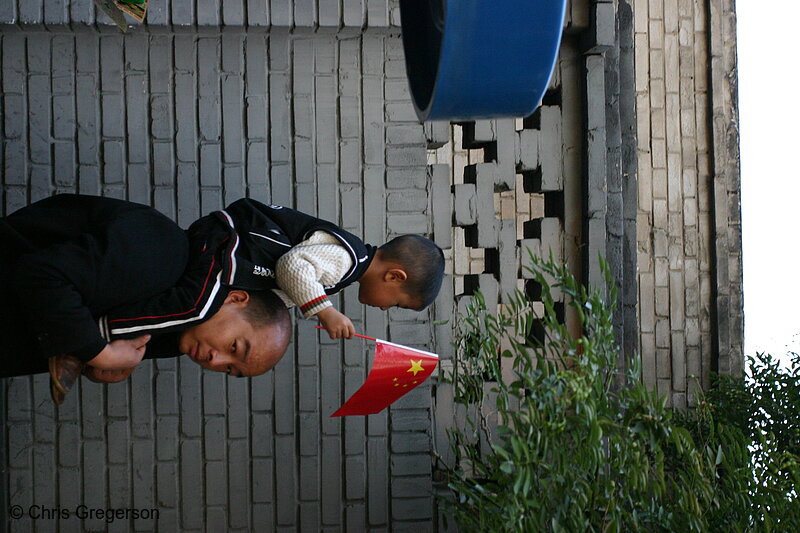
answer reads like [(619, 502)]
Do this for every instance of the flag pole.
[(357, 335)]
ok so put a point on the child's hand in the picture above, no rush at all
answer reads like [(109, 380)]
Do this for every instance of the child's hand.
[(337, 324), (121, 354)]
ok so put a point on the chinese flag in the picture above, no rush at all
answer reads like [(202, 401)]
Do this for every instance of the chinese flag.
[(396, 370)]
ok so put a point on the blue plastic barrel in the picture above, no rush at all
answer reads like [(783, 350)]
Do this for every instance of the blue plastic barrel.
[(471, 59)]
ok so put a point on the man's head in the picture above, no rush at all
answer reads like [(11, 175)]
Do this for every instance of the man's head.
[(247, 336), (406, 272)]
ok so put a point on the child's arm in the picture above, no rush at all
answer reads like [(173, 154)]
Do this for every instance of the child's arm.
[(304, 272), (336, 324)]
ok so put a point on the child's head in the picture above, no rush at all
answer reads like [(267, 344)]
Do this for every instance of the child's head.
[(406, 272)]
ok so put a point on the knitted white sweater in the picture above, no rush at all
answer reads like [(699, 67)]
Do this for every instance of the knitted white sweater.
[(308, 268)]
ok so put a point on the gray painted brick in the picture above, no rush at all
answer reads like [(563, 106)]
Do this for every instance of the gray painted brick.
[(258, 12), (15, 113), (350, 161), (355, 519), (234, 183), (113, 162), (329, 14), (411, 508), (405, 156), (216, 519), (528, 150), (8, 11), (353, 13), (214, 438), (166, 486), (237, 415), (309, 478), (331, 481), (410, 442), (166, 398), (118, 485), (233, 13), (377, 13), (63, 117), (330, 392), (188, 194), (377, 476), (213, 396), (39, 119), (412, 420), (191, 484), (309, 517), (352, 202), (285, 471), (281, 12), (118, 436), (305, 13), (208, 12), (355, 477), (210, 165), (441, 204), (190, 401), (413, 200), (142, 409), (93, 471), (143, 476), (13, 63), (284, 396), (160, 56), (410, 465), (166, 438), (64, 168), (261, 435), (182, 13), (185, 118), (413, 527), (417, 223), (238, 484), (262, 487)]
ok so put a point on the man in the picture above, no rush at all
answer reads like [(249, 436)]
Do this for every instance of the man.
[(108, 281)]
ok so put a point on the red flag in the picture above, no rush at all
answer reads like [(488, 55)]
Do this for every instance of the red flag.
[(395, 371)]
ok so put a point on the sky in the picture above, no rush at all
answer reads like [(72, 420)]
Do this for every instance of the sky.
[(769, 118)]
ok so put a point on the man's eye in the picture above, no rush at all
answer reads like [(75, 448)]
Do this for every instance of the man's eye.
[(233, 347)]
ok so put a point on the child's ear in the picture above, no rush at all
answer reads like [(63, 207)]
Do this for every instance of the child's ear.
[(395, 275)]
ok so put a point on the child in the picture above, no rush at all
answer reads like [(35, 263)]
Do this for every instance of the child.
[(306, 259)]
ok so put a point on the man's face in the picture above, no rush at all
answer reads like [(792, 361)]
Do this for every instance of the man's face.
[(228, 342)]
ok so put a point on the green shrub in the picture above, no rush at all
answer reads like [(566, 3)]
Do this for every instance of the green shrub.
[(546, 439)]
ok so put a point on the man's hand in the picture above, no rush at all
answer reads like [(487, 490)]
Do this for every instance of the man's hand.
[(337, 325), (121, 354), (98, 375)]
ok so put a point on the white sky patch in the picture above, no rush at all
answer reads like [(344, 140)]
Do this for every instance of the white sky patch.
[(770, 145)]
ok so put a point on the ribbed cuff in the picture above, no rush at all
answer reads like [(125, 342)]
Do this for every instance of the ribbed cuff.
[(316, 305)]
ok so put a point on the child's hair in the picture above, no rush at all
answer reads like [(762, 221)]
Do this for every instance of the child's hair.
[(422, 260)]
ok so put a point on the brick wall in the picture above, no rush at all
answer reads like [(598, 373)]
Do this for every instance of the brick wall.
[(214, 13), (188, 121), (689, 229)]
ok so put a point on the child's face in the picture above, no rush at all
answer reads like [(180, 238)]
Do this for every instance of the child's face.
[(385, 294)]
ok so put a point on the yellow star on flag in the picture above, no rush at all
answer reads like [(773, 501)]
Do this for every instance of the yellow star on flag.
[(416, 366)]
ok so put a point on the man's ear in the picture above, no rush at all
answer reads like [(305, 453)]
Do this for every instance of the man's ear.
[(237, 296), (395, 275)]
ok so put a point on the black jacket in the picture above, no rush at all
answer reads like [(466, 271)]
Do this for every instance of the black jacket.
[(235, 248), (80, 271)]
